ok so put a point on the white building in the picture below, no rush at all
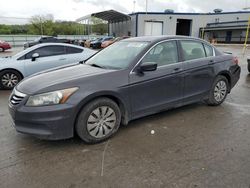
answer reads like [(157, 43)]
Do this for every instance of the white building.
[(229, 27)]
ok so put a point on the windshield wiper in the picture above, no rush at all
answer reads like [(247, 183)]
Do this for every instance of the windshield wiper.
[(95, 65)]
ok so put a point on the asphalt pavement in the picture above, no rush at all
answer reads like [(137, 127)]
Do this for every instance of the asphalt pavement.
[(192, 146)]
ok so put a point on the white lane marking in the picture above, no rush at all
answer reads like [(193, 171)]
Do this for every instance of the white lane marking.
[(243, 108)]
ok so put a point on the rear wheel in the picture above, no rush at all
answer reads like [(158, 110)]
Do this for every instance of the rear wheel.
[(219, 91), (9, 79), (98, 120), (1, 49)]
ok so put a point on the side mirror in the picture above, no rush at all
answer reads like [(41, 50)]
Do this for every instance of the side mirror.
[(148, 66), (34, 56)]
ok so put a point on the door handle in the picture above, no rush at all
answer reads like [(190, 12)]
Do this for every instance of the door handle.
[(211, 61), (177, 69)]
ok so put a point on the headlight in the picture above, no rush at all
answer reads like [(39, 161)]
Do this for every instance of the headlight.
[(51, 98)]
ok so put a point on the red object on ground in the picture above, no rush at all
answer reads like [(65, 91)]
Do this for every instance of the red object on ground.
[(4, 46)]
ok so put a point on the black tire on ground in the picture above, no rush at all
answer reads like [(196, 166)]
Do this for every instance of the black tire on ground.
[(212, 99), (87, 112), (12, 74), (1, 49), (248, 67)]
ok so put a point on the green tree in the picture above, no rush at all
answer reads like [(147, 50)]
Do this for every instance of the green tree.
[(42, 24), (45, 25)]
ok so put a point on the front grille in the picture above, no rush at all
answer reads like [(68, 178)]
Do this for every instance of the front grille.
[(16, 97)]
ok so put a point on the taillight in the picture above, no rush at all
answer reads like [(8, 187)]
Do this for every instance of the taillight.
[(236, 60)]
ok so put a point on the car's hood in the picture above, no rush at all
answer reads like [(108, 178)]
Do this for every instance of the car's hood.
[(40, 82), (5, 60)]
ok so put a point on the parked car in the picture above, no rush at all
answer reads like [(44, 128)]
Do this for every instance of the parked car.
[(96, 44), (80, 42), (112, 41), (143, 76), (248, 64), (46, 39), (87, 42), (39, 58), (109, 42), (4, 46)]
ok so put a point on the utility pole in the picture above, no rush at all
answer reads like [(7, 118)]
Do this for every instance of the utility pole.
[(146, 6), (134, 6), (41, 25), (247, 31), (246, 39)]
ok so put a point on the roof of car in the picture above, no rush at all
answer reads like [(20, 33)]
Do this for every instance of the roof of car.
[(55, 43), (158, 38)]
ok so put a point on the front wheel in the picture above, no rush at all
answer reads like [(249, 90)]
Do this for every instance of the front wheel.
[(9, 79), (98, 120), (218, 92)]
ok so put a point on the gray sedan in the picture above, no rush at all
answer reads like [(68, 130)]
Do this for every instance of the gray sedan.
[(128, 80)]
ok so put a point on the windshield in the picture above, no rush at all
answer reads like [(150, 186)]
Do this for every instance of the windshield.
[(117, 56), (37, 39)]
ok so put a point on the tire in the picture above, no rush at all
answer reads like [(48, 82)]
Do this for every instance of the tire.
[(98, 120), (9, 79), (2, 49), (248, 67), (217, 97)]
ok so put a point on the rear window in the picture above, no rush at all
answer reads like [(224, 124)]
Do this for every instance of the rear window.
[(192, 50), (72, 50), (209, 50)]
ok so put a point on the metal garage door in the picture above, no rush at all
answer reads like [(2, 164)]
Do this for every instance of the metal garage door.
[(153, 28)]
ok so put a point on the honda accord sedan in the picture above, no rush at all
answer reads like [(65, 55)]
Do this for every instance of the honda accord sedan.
[(130, 79)]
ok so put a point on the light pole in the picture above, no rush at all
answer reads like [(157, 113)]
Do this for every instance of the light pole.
[(134, 6), (41, 24)]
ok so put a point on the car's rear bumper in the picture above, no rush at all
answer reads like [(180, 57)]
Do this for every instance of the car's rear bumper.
[(235, 71), (6, 47), (43, 122)]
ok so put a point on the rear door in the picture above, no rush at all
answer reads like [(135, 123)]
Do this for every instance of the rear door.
[(159, 89), (199, 75), (49, 57)]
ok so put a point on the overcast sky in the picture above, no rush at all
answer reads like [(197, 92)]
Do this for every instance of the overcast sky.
[(70, 10)]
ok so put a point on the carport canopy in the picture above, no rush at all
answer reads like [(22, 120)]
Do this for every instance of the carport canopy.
[(110, 15)]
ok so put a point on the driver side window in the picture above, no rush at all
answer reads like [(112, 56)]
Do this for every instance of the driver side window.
[(47, 51), (163, 54)]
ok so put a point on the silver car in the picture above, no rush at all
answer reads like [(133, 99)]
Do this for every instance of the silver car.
[(39, 58)]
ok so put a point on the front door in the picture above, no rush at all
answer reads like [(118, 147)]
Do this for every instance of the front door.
[(153, 91), (49, 57)]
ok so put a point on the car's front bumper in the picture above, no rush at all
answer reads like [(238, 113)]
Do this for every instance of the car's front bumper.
[(47, 122)]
